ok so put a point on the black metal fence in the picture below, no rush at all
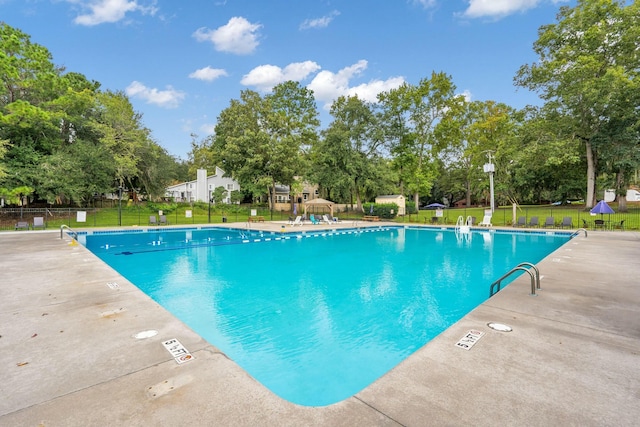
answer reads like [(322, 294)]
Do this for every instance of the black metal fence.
[(138, 215)]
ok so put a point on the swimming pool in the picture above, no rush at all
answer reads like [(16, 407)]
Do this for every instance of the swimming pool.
[(317, 317)]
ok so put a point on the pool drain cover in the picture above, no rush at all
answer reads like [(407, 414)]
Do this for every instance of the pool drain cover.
[(500, 327)]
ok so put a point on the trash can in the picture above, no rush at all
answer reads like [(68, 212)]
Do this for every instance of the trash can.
[(224, 219)]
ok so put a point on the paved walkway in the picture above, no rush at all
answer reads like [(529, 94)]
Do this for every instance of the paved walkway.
[(68, 355)]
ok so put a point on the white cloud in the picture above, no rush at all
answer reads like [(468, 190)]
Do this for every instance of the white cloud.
[(169, 98), (208, 74), (328, 86), (424, 3), (238, 36), (208, 129), (500, 8), (319, 22), (265, 77), (101, 11)]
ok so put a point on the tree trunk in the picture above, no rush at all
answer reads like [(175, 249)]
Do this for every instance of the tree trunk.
[(468, 191), (590, 201), (416, 200), (621, 192), (272, 195)]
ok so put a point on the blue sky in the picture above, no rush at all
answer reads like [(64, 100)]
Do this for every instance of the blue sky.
[(181, 62)]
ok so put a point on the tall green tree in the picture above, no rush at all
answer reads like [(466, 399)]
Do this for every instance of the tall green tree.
[(411, 114), (350, 149), (260, 141), (588, 63)]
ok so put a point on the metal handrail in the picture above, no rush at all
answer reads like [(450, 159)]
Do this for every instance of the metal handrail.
[(524, 266), (63, 226), (575, 233)]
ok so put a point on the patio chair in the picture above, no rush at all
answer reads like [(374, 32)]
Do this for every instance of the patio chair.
[(22, 225), (152, 220), (326, 219), (297, 221), (313, 219), (567, 221), (585, 224), (550, 222), (522, 221), (533, 222), (163, 220), (38, 222), (619, 226), (599, 223), (486, 221)]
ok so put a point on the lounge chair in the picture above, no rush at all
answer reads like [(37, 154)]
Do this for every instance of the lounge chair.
[(297, 221), (522, 221), (163, 220), (22, 225), (549, 222), (486, 221), (326, 219), (533, 222), (567, 221), (333, 219), (38, 222), (152, 220)]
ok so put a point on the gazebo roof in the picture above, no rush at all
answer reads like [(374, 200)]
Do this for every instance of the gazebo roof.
[(318, 202)]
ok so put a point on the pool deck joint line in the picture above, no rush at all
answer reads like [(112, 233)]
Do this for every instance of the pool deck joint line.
[(570, 359)]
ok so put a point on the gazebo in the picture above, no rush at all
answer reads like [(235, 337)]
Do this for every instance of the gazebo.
[(320, 203)]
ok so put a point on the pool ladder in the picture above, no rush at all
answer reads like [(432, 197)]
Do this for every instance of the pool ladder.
[(71, 231), (523, 266), (463, 226)]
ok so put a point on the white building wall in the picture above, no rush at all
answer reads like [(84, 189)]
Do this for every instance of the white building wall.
[(200, 189), (201, 186)]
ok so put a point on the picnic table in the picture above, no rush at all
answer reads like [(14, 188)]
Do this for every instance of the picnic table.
[(371, 218), (256, 219)]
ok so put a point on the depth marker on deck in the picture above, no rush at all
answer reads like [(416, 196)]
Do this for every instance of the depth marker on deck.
[(469, 340)]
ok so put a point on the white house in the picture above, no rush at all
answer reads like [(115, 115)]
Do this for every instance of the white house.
[(201, 189), (632, 195)]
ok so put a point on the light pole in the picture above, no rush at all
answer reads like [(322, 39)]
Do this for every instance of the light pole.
[(490, 169)]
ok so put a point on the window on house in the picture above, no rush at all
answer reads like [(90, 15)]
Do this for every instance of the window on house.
[(229, 186)]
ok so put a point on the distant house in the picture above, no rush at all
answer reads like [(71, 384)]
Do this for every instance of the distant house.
[(633, 195), (201, 189), (398, 199), (283, 195)]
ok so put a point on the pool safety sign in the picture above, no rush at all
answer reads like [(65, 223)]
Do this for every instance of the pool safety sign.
[(469, 340), (177, 350)]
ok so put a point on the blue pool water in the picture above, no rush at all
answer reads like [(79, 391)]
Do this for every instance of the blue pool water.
[(318, 317)]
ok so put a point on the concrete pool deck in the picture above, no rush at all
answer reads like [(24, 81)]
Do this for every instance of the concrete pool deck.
[(68, 355)]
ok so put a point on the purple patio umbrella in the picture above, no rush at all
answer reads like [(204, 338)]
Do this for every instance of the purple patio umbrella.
[(601, 208), (435, 205)]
